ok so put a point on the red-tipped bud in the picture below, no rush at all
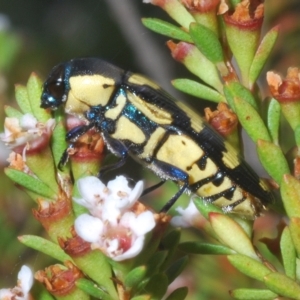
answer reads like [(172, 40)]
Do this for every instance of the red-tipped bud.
[(223, 120), (285, 90), (59, 280), (248, 15)]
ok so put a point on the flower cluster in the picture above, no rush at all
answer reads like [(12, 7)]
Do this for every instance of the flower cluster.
[(116, 224), (21, 290), (26, 133)]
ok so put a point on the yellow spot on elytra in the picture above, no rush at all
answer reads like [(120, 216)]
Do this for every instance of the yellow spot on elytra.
[(114, 112), (142, 80), (155, 137), (126, 130), (230, 158), (151, 111), (180, 151)]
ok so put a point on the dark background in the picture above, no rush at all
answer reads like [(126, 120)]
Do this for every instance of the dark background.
[(49, 32)]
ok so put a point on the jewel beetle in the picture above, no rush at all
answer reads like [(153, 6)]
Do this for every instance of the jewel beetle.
[(138, 118)]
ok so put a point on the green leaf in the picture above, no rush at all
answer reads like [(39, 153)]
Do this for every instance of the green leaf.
[(290, 193), (237, 90), (205, 208), (251, 120), (30, 183), (253, 294), (171, 240), (178, 294), (58, 140), (156, 261), (274, 120), (176, 268), (197, 64), (167, 29), (135, 276), (90, 288), (44, 246), (42, 166), (282, 285), (198, 90), (288, 253), (231, 234), (178, 12), (272, 159), (297, 269), (243, 44), (34, 90), (40, 292), (262, 54), (246, 224), (204, 248), (141, 297), (169, 243), (294, 227), (291, 111), (207, 42), (23, 99), (297, 135), (157, 286), (12, 112), (97, 267), (249, 266)]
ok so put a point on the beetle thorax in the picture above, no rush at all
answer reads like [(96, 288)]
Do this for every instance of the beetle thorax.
[(87, 91)]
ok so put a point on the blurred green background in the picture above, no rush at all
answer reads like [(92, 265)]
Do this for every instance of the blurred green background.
[(37, 34)]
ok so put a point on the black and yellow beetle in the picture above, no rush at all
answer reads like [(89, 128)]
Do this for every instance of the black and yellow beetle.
[(136, 117)]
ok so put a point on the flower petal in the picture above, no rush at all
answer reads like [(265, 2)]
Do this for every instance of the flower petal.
[(25, 278), (134, 250), (143, 223), (188, 216), (6, 294), (28, 121), (91, 189), (136, 192), (89, 228)]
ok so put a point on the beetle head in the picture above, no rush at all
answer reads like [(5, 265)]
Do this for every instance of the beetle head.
[(55, 88)]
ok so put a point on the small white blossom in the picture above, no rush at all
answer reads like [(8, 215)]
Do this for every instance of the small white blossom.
[(107, 202), (189, 216), (92, 191), (89, 227), (112, 226), (21, 290), (26, 132)]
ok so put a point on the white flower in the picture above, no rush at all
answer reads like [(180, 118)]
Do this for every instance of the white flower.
[(26, 132), (112, 226), (21, 291), (107, 202), (89, 228), (93, 192), (189, 216)]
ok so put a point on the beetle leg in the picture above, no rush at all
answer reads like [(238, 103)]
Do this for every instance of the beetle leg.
[(175, 174), (65, 157), (153, 187), (72, 136), (120, 150), (75, 133), (171, 202)]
